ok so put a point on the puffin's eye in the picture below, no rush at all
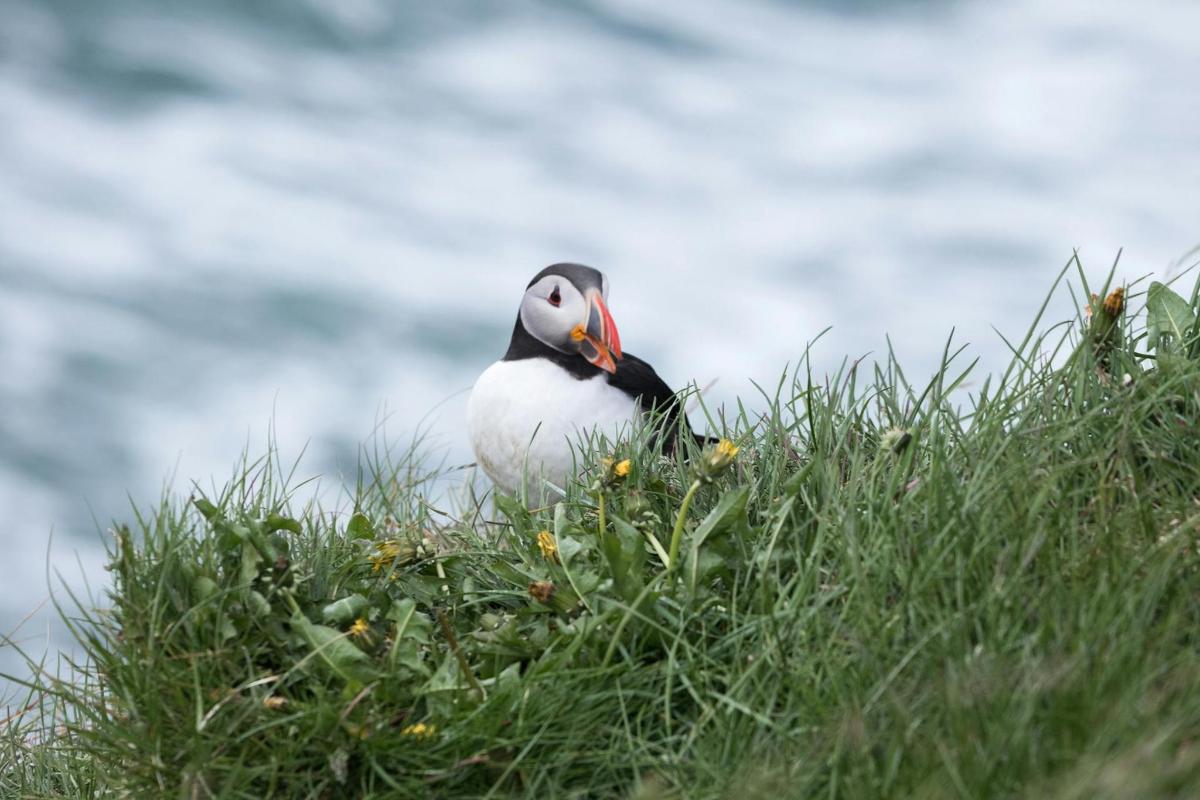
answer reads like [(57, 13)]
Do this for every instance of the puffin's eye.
[(555, 298)]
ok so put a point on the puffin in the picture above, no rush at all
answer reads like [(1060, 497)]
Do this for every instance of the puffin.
[(564, 377)]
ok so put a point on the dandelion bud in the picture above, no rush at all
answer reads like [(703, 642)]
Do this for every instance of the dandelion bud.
[(1104, 327), (716, 458), (419, 731), (640, 510)]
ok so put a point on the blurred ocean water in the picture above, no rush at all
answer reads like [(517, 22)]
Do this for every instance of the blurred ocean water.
[(215, 215)]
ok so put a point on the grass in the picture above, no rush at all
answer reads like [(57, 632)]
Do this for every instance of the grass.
[(941, 590)]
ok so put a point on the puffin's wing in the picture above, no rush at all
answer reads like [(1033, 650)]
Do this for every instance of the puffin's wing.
[(639, 380)]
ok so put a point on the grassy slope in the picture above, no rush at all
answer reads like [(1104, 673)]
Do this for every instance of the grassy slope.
[(1003, 602)]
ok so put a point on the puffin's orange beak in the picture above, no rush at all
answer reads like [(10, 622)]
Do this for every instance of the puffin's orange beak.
[(598, 339)]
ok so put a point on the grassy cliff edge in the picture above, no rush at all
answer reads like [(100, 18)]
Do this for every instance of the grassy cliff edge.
[(958, 588)]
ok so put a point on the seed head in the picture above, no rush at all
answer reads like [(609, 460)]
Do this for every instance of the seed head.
[(895, 440), (542, 591), (1114, 304)]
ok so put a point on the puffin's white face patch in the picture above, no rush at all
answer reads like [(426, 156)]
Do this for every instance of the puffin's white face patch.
[(552, 323)]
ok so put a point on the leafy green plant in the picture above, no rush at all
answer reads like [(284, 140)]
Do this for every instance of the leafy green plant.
[(881, 590)]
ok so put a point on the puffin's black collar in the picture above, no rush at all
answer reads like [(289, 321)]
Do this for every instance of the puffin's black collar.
[(523, 345)]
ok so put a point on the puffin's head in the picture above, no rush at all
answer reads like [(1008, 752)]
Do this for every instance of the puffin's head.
[(564, 308)]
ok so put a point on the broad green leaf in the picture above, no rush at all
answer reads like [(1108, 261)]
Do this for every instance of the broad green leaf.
[(204, 587), (412, 634), (360, 527), (226, 628), (568, 545), (278, 522), (257, 604), (206, 508), (332, 648), (793, 485), (568, 548), (445, 689), (250, 562), (1169, 318), (626, 551), (516, 512), (340, 612), (730, 512)]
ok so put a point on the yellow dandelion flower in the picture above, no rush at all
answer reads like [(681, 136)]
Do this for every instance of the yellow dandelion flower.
[(612, 472), (391, 551), (419, 730), (359, 628), (547, 544)]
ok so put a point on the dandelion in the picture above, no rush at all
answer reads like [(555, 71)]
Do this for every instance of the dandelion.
[(360, 628), (895, 440), (722, 455), (391, 551), (419, 730), (548, 546), (713, 461), (1104, 325), (612, 473), (541, 591), (717, 458), (1114, 304)]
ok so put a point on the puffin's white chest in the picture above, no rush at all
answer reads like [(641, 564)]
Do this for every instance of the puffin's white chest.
[(525, 416)]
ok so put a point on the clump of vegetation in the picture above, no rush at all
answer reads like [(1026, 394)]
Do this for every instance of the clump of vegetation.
[(871, 589)]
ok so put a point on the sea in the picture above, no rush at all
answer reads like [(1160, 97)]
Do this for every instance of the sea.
[(231, 224)]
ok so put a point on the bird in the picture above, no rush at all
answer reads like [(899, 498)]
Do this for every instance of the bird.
[(564, 376)]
